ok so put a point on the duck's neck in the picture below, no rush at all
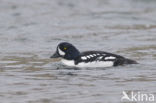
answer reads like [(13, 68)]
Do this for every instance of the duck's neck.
[(72, 54)]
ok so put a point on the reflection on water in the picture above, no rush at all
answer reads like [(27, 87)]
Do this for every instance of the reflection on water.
[(30, 32)]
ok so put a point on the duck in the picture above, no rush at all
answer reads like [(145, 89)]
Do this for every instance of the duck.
[(71, 56)]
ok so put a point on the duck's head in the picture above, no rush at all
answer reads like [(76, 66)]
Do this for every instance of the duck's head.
[(67, 51)]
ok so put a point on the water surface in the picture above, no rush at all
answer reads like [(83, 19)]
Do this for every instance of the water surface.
[(30, 32)]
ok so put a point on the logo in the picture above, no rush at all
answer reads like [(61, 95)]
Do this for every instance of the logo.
[(137, 97)]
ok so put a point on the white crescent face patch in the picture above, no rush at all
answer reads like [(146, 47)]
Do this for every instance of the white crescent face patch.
[(62, 53)]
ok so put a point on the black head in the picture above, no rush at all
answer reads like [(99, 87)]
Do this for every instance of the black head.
[(66, 51)]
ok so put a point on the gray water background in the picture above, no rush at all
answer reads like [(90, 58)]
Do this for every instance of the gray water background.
[(31, 30)]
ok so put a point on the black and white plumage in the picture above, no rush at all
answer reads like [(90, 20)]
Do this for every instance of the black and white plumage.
[(71, 56)]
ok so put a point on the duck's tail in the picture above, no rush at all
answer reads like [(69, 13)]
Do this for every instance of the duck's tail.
[(129, 61)]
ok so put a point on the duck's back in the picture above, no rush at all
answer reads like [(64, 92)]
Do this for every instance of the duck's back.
[(101, 59)]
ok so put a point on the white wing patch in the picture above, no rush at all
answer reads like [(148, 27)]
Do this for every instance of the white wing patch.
[(88, 56), (84, 58), (94, 54), (91, 55), (99, 58), (61, 52), (110, 57)]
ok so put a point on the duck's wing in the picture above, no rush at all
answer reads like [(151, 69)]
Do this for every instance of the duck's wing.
[(90, 56)]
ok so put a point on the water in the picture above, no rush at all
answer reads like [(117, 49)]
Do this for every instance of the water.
[(30, 32)]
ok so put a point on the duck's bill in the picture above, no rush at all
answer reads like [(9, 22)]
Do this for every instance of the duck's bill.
[(55, 55)]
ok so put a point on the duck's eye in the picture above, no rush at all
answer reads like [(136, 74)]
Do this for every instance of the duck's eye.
[(65, 48)]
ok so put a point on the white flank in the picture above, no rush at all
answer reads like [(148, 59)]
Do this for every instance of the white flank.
[(84, 58), (110, 58), (88, 56), (89, 64), (68, 62), (61, 52), (96, 64)]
